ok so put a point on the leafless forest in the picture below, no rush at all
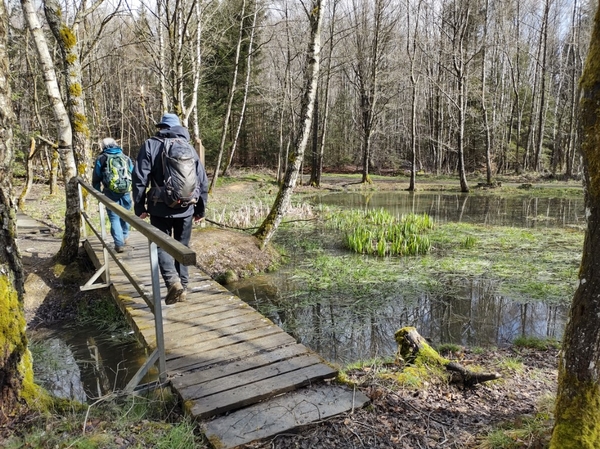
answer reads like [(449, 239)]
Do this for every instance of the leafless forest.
[(444, 86)]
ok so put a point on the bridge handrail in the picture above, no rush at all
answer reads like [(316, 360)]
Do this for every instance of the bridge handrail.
[(156, 238), (179, 251)]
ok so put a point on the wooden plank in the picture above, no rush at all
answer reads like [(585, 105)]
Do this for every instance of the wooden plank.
[(282, 414), (211, 320), (238, 366), (189, 310), (238, 319), (179, 361), (212, 333), (249, 394), (215, 386), (197, 343)]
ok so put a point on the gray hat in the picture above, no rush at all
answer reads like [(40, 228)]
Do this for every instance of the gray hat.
[(168, 120), (109, 142)]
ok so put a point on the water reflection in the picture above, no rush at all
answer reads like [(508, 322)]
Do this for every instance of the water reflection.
[(346, 328), (522, 211), (106, 362), (342, 331)]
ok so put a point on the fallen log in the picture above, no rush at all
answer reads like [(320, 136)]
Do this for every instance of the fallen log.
[(413, 348)]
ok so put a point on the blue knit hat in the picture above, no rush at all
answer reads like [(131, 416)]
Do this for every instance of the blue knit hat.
[(168, 120)]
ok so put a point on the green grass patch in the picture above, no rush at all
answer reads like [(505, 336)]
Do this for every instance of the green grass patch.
[(449, 348), (525, 431), (537, 343), (152, 421), (511, 364)]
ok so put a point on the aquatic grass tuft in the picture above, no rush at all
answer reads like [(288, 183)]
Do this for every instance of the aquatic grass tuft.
[(469, 242), (378, 232)]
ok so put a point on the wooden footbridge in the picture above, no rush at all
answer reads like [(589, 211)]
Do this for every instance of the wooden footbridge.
[(235, 371)]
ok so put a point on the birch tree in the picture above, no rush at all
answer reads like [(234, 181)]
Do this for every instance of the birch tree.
[(232, 91), (314, 11), (70, 242), (249, 57)]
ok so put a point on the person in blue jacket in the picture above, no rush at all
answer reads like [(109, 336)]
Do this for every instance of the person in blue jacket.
[(119, 228), (176, 222)]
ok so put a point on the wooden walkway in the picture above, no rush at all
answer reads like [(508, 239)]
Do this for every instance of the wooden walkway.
[(222, 356)]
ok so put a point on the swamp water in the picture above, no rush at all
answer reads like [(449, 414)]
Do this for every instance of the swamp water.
[(347, 320), (355, 321)]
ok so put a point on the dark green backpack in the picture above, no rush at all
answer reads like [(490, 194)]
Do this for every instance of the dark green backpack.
[(116, 176)]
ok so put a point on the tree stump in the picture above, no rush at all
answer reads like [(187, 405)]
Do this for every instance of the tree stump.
[(412, 347)]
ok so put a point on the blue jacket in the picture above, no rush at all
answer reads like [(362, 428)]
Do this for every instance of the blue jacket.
[(99, 167), (148, 172)]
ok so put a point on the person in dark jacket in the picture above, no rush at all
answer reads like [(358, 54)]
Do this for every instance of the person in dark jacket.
[(176, 222), (119, 228)]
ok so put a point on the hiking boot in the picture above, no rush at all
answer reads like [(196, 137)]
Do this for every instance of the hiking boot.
[(183, 296), (174, 293), (120, 249)]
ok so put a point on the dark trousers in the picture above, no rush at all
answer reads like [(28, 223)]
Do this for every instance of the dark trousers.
[(181, 230)]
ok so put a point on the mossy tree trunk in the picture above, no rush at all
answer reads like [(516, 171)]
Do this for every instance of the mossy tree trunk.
[(268, 227), (70, 243), (578, 396), (15, 365), (67, 38)]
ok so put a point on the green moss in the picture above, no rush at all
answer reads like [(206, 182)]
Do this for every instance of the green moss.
[(12, 340), (71, 58), (12, 321), (343, 379), (80, 124), (68, 37), (425, 365), (577, 425), (75, 90)]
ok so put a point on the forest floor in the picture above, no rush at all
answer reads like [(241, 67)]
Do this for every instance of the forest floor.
[(514, 411)]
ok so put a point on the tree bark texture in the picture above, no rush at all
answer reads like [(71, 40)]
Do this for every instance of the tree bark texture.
[(269, 226), (578, 397), (16, 374), (70, 243)]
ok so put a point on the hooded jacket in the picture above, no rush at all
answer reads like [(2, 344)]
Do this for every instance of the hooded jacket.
[(148, 172)]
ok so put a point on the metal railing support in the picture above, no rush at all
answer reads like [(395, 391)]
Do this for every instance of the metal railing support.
[(156, 238)]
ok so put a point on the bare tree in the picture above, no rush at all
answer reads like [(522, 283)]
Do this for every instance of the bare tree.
[(371, 39), (232, 91), (70, 242), (319, 141), (314, 11), (249, 57), (411, 52)]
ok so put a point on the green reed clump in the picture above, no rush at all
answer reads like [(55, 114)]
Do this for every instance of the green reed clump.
[(377, 232)]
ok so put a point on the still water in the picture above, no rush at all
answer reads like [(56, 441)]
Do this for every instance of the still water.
[(346, 327), (469, 311)]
